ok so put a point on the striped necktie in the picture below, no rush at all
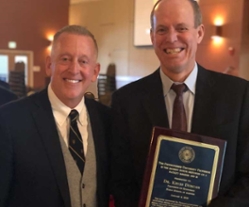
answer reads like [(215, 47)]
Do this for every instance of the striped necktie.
[(75, 141)]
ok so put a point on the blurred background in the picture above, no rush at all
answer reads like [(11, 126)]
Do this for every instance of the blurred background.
[(121, 29)]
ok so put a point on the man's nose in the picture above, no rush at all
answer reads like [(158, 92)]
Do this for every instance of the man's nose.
[(172, 35), (74, 66)]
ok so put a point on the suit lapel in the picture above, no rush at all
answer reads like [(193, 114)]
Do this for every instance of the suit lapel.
[(44, 120), (93, 118), (203, 113), (100, 141), (206, 104), (153, 101), (96, 126)]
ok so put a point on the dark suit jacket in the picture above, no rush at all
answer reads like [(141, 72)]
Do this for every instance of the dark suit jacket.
[(6, 96), (4, 84), (221, 110), (32, 172)]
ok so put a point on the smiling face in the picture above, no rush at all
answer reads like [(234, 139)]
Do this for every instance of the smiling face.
[(175, 37), (72, 67)]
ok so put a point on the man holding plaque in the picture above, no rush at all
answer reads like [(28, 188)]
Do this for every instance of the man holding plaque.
[(215, 105)]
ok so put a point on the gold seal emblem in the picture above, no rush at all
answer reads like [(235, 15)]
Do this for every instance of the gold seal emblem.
[(187, 154)]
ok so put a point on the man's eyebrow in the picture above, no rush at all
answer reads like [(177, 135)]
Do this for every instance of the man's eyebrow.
[(83, 56), (160, 25)]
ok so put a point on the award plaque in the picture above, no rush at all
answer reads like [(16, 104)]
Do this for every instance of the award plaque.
[(183, 169)]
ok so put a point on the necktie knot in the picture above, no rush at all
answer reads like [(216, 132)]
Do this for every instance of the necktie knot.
[(179, 88), (73, 115)]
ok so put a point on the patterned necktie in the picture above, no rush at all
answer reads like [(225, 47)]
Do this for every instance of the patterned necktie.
[(179, 120), (75, 141)]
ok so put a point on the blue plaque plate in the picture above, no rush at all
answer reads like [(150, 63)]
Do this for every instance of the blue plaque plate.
[(183, 169)]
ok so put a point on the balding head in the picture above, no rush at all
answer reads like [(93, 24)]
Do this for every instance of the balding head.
[(196, 11)]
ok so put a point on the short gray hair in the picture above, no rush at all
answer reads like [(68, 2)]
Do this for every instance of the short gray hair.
[(76, 29)]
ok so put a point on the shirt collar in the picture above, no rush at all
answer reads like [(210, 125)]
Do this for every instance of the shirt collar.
[(190, 81), (61, 111)]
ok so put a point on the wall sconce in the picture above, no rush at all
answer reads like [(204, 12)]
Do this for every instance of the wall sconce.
[(217, 32)]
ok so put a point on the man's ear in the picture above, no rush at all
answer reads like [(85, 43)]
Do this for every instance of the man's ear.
[(200, 33), (151, 36), (48, 64), (95, 72)]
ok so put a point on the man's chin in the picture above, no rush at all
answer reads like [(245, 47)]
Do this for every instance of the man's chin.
[(175, 67)]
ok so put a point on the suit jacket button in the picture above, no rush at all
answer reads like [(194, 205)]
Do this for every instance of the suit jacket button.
[(83, 186)]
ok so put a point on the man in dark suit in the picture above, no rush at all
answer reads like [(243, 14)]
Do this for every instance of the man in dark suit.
[(216, 105), (37, 153), (6, 96)]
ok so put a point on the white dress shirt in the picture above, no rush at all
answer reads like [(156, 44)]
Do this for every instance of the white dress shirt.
[(188, 96), (61, 112)]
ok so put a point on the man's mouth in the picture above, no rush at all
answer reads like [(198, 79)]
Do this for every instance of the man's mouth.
[(173, 51), (72, 80)]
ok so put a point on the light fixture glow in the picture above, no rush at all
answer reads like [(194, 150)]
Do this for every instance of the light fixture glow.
[(12, 45), (50, 37), (217, 40), (218, 21)]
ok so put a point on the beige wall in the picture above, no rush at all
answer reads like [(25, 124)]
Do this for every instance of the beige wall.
[(112, 23)]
